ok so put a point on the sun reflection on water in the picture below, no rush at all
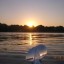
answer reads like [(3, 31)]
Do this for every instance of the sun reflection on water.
[(30, 39)]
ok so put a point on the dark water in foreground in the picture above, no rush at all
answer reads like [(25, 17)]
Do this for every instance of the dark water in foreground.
[(14, 46)]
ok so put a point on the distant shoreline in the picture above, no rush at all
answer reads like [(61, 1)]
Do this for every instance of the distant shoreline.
[(37, 29), (31, 32)]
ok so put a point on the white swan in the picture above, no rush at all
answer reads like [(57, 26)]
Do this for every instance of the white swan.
[(36, 53)]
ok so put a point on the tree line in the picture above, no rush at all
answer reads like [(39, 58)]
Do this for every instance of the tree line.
[(25, 28)]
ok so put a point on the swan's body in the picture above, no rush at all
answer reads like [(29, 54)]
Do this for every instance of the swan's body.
[(36, 53)]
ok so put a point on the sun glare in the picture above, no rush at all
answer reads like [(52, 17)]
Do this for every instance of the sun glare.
[(30, 24)]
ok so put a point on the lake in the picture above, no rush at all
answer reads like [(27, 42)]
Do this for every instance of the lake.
[(14, 47)]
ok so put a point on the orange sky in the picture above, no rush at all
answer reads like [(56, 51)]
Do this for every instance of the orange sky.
[(45, 12)]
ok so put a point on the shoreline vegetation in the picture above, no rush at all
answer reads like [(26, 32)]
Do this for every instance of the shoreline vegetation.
[(25, 28)]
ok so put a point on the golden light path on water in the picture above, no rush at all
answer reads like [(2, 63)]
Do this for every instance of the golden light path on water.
[(30, 39)]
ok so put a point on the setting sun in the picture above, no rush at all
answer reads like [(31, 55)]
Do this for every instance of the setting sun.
[(30, 24)]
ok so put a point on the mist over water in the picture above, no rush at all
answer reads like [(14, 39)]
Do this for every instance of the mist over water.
[(20, 43)]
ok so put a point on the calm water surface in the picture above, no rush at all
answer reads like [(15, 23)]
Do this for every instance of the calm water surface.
[(20, 43)]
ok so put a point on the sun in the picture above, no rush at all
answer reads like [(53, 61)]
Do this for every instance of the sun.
[(30, 24)]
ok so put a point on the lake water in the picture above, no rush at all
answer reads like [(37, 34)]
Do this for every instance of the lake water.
[(14, 44)]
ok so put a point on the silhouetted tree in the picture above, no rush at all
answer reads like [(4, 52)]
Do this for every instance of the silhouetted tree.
[(25, 28), (3, 28), (40, 28)]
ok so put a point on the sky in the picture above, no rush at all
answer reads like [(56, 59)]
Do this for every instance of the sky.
[(40, 12)]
